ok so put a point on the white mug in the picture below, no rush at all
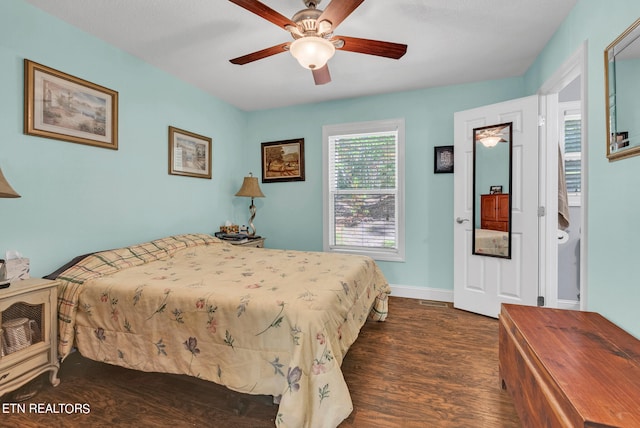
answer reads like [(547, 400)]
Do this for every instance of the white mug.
[(18, 334)]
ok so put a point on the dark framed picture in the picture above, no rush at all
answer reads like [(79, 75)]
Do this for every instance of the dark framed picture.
[(283, 160), (442, 159), (189, 154), (494, 190), (58, 105)]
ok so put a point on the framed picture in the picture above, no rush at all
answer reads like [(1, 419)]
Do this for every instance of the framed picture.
[(58, 105), (494, 190), (283, 160), (189, 154), (619, 140), (442, 159)]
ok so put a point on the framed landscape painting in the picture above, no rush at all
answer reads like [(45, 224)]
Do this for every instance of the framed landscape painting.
[(60, 106), (283, 160), (189, 154)]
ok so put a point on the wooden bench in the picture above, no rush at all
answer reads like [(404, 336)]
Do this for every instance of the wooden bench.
[(567, 368)]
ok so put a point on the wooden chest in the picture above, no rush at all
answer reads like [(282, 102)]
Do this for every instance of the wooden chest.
[(569, 368)]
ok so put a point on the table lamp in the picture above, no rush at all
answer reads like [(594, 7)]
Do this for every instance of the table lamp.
[(6, 191), (251, 189)]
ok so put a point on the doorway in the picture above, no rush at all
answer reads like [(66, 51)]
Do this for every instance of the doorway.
[(570, 145), (563, 249)]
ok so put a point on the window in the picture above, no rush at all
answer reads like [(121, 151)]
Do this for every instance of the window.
[(363, 172), (572, 151)]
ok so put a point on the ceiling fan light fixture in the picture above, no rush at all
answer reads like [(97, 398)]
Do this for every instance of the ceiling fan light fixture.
[(312, 52), (490, 141)]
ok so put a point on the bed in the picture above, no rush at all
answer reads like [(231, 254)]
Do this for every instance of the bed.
[(492, 242), (259, 321)]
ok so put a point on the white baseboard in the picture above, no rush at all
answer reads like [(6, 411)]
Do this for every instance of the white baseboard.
[(425, 293), (441, 295)]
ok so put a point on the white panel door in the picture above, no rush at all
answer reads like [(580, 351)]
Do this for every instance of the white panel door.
[(482, 283)]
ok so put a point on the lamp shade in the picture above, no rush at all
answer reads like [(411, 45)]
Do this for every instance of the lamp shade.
[(6, 191), (312, 52), (250, 188)]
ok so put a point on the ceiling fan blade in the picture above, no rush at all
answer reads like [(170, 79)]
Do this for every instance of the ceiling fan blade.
[(372, 47), (321, 75), (265, 12), (338, 10), (264, 53)]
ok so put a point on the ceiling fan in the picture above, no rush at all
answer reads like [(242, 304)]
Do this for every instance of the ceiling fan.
[(314, 42)]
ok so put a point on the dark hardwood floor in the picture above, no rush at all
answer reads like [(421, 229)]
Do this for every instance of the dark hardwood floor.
[(426, 365)]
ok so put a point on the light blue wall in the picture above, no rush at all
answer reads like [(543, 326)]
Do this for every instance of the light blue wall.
[(291, 214), (78, 198), (613, 202)]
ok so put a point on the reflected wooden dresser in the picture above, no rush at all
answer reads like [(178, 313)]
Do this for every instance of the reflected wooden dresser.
[(28, 344), (567, 368), (494, 212)]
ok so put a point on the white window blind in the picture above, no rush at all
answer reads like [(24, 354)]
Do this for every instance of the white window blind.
[(363, 212), (573, 157)]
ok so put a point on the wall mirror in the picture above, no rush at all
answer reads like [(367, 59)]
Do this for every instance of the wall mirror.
[(492, 190), (622, 94)]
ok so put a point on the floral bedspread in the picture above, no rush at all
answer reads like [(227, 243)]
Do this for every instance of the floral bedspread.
[(492, 242), (260, 321)]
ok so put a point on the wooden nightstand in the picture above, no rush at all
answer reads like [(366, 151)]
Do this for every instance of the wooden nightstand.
[(257, 243), (29, 333)]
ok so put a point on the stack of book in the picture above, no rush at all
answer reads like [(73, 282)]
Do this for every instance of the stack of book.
[(235, 238)]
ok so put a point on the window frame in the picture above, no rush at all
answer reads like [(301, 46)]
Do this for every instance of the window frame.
[(393, 254)]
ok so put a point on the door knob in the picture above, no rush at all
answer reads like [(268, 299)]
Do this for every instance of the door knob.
[(461, 220)]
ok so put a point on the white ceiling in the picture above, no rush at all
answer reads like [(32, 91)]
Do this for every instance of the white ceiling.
[(450, 42)]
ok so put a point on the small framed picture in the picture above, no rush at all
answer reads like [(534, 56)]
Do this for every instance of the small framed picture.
[(283, 161), (494, 190), (443, 159), (189, 154)]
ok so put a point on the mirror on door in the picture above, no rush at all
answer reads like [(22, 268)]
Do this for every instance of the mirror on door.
[(622, 77), (492, 190)]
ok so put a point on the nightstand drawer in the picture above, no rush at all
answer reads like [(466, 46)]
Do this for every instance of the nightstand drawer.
[(35, 298), (25, 366)]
